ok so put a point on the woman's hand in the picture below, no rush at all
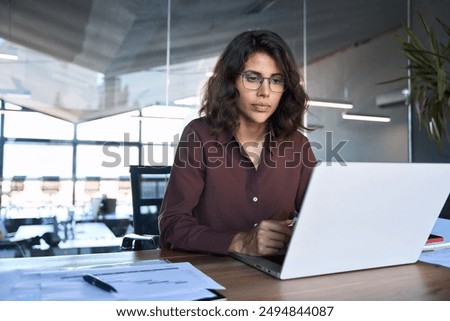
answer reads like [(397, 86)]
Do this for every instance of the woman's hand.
[(266, 238)]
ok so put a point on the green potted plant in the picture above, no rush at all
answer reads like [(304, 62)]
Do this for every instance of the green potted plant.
[(430, 79)]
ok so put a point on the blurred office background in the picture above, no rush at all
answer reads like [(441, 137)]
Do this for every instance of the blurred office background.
[(90, 87)]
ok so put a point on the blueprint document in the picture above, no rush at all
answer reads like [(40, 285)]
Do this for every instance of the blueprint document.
[(156, 281)]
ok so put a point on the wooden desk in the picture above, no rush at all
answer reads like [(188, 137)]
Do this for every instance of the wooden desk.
[(418, 281)]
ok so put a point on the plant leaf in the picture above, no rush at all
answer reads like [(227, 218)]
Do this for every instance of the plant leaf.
[(429, 79), (441, 83)]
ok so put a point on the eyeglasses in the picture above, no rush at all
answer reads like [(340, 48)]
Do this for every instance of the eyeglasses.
[(253, 81)]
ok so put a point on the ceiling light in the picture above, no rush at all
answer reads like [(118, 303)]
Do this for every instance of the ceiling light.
[(330, 104), (141, 117), (6, 56), (9, 106), (25, 95), (381, 119), (188, 101), (9, 111)]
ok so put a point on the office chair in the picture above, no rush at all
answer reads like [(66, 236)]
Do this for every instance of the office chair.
[(50, 185), (148, 185), (18, 183), (17, 186), (11, 249), (92, 186)]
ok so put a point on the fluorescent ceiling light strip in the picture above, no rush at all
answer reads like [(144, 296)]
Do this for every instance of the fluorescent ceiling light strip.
[(155, 117), (329, 104), (8, 57), (188, 101), (12, 96), (9, 106), (6, 111), (381, 119)]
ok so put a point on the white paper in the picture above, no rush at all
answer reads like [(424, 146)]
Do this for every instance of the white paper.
[(153, 281)]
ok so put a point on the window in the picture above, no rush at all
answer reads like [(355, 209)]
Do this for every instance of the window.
[(164, 124), (36, 160), (118, 128), (111, 160), (27, 124)]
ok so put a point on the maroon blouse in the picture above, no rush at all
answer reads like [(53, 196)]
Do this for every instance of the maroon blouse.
[(214, 191)]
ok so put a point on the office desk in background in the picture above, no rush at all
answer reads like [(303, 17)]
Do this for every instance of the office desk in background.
[(87, 238), (420, 281), (81, 231)]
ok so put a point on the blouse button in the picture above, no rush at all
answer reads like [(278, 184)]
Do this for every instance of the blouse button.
[(255, 199)]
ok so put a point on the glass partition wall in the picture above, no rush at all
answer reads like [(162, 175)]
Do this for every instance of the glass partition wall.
[(92, 87), (122, 97)]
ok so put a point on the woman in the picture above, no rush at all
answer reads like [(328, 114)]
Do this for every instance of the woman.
[(241, 170)]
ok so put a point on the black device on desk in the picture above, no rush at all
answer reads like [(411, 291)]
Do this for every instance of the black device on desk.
[(445, 213)]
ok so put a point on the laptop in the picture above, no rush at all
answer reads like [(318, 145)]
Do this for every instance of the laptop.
[(361, 216)]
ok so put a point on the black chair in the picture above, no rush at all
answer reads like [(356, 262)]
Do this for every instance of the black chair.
[(11, 249), (148, 185)]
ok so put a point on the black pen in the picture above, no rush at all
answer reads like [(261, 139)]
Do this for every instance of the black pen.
[(95, 281)]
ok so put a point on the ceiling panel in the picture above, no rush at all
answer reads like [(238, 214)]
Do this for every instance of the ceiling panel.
[(114, 37)]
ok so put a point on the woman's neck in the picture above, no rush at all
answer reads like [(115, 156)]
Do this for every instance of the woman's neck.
[(251, 139), (246, 133)]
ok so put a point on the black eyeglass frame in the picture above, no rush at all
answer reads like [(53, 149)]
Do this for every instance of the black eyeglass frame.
[(244, 73)]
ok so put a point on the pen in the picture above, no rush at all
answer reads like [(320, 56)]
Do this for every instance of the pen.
[(95, 281), (294, 219)]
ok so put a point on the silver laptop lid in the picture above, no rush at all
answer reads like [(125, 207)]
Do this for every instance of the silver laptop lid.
[(365, 215)]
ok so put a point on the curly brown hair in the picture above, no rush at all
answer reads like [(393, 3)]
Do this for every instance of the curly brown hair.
[(220, 93)]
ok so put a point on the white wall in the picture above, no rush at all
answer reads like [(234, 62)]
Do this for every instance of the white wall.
[(354, 75)]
